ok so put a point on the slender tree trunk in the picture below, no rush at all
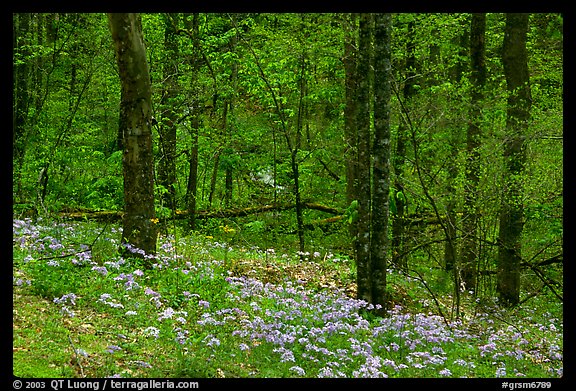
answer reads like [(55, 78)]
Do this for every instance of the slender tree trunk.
[(515, 61), (168, 114), (195, 60), (192, 188), (294, 154), (350, 111), (450, 248), (399, 219), (379, 244), (364, 187), (214, 176), (21, 96), (469, 257), (139, 222)]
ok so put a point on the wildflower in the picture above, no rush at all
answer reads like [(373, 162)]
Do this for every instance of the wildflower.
[(100, 269), (299, 371), (131, 313), (501, 372), (64, 299), (243, 347), (210, 340), (166, 314), (445, 372), (152, 332), (181, 336), (113, 348), (142, 364), (149, 291), (181, 320)]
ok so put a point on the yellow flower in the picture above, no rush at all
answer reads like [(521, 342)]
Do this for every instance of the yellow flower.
[(155, 221)]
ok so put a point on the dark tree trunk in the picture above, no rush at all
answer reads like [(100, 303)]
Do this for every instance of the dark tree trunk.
[(294, 154), (139, 222), (515, 61), (21, 95), (195, 60), (399, 219), (469, 256), (450, 248), (381, 164), (351, 85), (192, 188), (364, 188), (168, 114)]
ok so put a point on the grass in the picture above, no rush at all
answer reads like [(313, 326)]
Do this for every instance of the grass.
[(208, 309)]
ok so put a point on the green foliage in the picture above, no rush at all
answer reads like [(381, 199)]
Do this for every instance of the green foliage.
[(72, 124)]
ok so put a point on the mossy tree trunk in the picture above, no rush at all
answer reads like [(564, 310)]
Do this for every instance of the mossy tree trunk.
[(139, 223), (515, 61)]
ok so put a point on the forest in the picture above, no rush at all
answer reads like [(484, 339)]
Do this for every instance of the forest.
[(282, 195)]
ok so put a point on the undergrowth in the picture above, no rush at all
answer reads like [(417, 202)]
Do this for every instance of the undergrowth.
[(210, 309)]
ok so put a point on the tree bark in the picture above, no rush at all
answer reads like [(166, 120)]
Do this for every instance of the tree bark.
[(195, 61), (21, 97), (398, 221), (168, 115), (379, 244), (515, 61), (139, 228), (350, 110), (469, 256), (364, 188)]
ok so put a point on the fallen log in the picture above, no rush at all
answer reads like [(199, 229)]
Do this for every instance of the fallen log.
[(114, 216)]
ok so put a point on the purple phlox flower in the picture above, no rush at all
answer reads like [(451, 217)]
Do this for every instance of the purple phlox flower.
[(299, 371), (488, 348), (150, 292), (285, 354), (181, 336), (152, 332), (104, 299), (445, 372), (166, 314), (55, 245), (113, 348), (69, 297), (243, 347), (210, 340), (142, 364), (83, 257), (101, 269)]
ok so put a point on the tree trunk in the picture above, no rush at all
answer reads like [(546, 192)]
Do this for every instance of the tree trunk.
[(195, 60), (350, 111), (469, 256), (515, 61), (364, 188), (294, 154), (168, 115), (381, 164), (399, 219), (21, 98), (139, 228)]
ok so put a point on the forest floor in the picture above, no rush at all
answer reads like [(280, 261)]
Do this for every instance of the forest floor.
[(210, 310)]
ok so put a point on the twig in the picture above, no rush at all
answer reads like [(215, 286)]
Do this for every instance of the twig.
[(76, 356)]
